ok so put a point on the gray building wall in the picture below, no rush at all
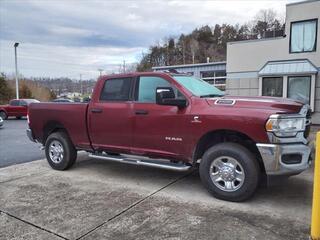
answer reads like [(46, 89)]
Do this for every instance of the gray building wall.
[(246, 58), (243, 87)]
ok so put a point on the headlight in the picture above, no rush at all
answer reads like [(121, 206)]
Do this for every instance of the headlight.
[(285, 127)]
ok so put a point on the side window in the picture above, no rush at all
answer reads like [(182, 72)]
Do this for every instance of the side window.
[(117, 89), (14, 103), (148, 86), (23, 103)]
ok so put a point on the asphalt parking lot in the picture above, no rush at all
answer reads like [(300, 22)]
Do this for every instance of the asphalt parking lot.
[(15, 147), (102, 200)]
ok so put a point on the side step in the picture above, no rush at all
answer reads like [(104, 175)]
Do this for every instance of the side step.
[(143, 161)]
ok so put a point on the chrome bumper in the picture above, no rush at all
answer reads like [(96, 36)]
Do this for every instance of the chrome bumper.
[(273, 154), (30, 135)]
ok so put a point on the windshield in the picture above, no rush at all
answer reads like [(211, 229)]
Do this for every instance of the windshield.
[(199, 87)]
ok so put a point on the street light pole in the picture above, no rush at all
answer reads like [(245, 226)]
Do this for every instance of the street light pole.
[(16, 64), (81, 84), (100, 72)]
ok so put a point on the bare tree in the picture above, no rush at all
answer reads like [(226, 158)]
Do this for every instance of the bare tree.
[(194, 47)]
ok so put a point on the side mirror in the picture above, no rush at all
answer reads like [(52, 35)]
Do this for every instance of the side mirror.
[(166, 96)]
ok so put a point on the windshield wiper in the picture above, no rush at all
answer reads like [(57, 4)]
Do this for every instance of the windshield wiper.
[(211, 95)]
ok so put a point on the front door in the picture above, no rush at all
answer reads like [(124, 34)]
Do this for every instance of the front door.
[(15, 108), (110, 116), (157, 128)]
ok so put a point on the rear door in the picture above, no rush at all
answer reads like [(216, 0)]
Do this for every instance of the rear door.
[(23, 108), (158, 129), (110, 116)]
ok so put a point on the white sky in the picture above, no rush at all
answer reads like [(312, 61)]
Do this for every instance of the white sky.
[(69, 38)]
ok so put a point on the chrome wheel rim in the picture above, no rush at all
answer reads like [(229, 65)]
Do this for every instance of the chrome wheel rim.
[(227, 173), (56, 151)]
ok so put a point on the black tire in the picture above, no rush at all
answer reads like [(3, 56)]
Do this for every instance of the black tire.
[(61, 139), (3, 115), (248, 165)]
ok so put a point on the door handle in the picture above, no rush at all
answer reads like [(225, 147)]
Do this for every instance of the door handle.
[(141, 112), (96, 110)]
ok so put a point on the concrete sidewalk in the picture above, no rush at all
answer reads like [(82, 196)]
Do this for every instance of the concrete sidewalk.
[(102, 200)]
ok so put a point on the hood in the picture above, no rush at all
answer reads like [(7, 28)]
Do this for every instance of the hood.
[(278, 105)]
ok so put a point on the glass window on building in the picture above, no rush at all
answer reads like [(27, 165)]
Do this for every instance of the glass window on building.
[(299, 88), (272, 86), (303, 36)]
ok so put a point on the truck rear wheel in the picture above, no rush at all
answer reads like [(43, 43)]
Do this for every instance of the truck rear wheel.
[(60, 152), (230, 172)]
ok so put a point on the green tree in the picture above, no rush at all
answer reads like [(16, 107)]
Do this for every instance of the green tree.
[(6, 93)]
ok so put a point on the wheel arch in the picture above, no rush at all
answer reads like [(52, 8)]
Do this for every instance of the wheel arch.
[(51, 127), (214, 137), (4, 110)]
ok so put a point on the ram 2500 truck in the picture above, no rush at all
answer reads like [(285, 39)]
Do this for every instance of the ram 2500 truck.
[(175, 121)]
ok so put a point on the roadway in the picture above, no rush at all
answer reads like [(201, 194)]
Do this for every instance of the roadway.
[(15, 147)]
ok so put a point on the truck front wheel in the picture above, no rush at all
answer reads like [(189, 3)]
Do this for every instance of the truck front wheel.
[(230, 172), (3, 115), (60, 152)]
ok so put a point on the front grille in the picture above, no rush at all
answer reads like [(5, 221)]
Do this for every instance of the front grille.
[(308, 126), (309, 114)]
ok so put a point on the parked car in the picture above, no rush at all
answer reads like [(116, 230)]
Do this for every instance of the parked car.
[(1, 122), (144, 118), (16, 108), (62, 100)]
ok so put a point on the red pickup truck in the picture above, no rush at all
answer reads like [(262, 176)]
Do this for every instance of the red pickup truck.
[(16, 108), (176, 121)]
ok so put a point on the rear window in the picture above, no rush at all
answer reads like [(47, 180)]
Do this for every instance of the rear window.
[(117, 89)]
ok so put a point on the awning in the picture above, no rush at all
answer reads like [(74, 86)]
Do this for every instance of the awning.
[(289, 67)]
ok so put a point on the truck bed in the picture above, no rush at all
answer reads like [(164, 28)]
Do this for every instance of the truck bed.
[(71, 116)]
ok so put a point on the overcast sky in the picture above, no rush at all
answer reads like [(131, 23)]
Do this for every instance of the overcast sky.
[(69, 38)]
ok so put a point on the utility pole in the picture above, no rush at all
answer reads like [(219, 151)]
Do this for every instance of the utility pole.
[(100, 71), (16, 65), (124, 66)]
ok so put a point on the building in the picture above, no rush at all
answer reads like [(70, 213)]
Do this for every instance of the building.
[(285, 66), (212, 72)]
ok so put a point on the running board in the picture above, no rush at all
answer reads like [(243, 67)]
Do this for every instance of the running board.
[(143, 161)]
